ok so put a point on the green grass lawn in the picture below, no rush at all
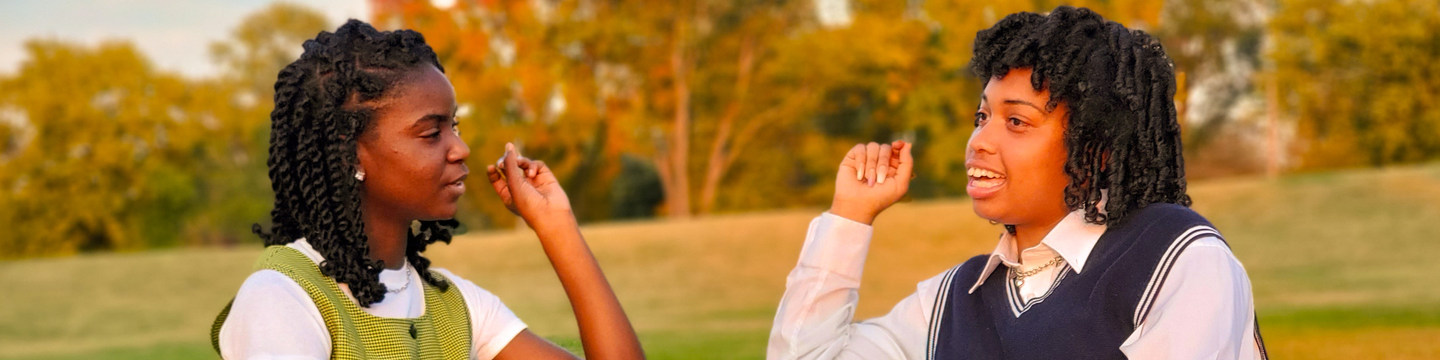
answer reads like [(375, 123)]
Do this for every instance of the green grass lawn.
[(1343, 266)]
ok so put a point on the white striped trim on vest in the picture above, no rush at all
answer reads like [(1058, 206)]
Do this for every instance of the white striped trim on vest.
[(1162, 270), (1018, 305), (937, 312)]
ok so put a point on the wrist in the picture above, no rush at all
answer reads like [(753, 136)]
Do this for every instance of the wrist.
[(554, 222), (852, 213)]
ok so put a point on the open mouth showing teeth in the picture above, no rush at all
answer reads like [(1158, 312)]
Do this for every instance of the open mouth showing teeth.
[(984, 178)]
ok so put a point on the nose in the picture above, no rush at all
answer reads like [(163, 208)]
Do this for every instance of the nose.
[(981, 140), (459, 151)]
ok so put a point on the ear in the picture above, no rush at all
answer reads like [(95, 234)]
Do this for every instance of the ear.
[(362, 154)]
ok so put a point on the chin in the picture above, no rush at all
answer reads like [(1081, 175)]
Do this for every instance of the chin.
[(444, 213), (988, 210)]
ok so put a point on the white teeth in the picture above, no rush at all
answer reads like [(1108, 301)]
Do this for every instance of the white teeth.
[(978, 172)]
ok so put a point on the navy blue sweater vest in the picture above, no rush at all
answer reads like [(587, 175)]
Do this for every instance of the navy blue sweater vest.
[(1083, 316)]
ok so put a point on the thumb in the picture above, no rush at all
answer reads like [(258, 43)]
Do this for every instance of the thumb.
[(906, 169), (513, 174)]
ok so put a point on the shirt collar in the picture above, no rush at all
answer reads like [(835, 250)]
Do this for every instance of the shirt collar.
[(1073, 239)]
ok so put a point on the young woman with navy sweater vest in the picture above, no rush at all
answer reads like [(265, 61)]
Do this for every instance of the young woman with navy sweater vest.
[(1076, 149)]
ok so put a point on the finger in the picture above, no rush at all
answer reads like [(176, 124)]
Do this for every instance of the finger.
[(497, 181), (853, 161), (543, 175), (496, 178), (906, 168), (872, 153), (896, 147), (527, 165), (882, 164)]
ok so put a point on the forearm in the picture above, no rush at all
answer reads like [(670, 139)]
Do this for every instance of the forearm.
[(814, 316), (605, 331), (817, 310)]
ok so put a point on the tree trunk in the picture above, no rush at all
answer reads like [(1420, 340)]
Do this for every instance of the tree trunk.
[(677, 190), (722, 148), (1272, 136)]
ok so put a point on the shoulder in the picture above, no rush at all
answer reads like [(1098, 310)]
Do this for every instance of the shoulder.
[(273, 315), (472, 293), (270, 296), (268, 285), (493, 325), (485, 307), (1163, 226), (1165, 217), (1205, 272), (1209, 254)]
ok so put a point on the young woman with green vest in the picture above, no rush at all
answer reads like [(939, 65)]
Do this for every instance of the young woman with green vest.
[(364, 145)]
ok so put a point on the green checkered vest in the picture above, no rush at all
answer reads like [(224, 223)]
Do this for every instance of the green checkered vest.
[(442, 333)]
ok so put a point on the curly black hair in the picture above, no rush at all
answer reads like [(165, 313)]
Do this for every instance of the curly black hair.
[(1122, 135), (324, 101)]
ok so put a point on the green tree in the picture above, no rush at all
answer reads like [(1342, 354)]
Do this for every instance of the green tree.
[(1360, 79), (105, 153), (236, 188)]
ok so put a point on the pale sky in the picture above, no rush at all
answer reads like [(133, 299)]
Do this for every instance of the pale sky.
[(174, 34)]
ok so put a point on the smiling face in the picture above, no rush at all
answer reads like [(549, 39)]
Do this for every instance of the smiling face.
[(412, 154), (1016, 156)]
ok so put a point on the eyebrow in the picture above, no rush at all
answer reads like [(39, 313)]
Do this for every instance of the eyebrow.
[(430, 118), (1018, 102), (437, 118)]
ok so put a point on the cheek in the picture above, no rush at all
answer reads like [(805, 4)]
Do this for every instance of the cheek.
[(408, 173), (1048, 172), (1040, 173)]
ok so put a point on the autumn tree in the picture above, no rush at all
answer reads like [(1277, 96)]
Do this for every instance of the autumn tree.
[(1360, 79), (103, 150), (579, 87)]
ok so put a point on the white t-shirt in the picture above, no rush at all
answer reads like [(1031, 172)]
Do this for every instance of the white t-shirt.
[(273, 317)]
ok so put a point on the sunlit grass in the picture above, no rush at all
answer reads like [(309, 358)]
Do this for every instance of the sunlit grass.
[(1342, 265)]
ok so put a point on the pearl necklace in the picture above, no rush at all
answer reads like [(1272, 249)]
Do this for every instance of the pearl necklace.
[(407, 282)]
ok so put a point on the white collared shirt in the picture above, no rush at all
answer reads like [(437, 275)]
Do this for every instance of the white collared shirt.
[(1205, 311)]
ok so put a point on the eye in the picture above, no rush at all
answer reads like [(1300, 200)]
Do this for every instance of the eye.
[(435, 134), (979, 119), (455, 128), (1016, 121)]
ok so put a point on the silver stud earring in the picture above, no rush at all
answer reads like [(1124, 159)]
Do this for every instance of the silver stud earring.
[(360, 175)]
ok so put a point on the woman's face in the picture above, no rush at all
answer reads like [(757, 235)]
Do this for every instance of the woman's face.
[(1016, 156), (412, 154)]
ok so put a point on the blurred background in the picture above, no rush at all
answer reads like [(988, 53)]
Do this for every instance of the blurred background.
[(696, 139)]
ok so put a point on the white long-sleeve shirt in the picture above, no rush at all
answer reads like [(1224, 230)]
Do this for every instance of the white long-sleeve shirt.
[(1203, 311), (274, 318)]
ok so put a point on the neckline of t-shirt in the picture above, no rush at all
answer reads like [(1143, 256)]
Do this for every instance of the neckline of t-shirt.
[(414, 290)]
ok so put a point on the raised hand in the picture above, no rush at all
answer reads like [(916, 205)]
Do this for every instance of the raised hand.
[(529, 189), (872, 177)]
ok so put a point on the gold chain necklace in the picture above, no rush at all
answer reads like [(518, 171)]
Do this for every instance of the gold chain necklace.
[(1021, 275)]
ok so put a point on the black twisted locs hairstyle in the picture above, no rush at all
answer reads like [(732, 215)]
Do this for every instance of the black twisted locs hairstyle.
[(1122, 134), (324, 101)]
